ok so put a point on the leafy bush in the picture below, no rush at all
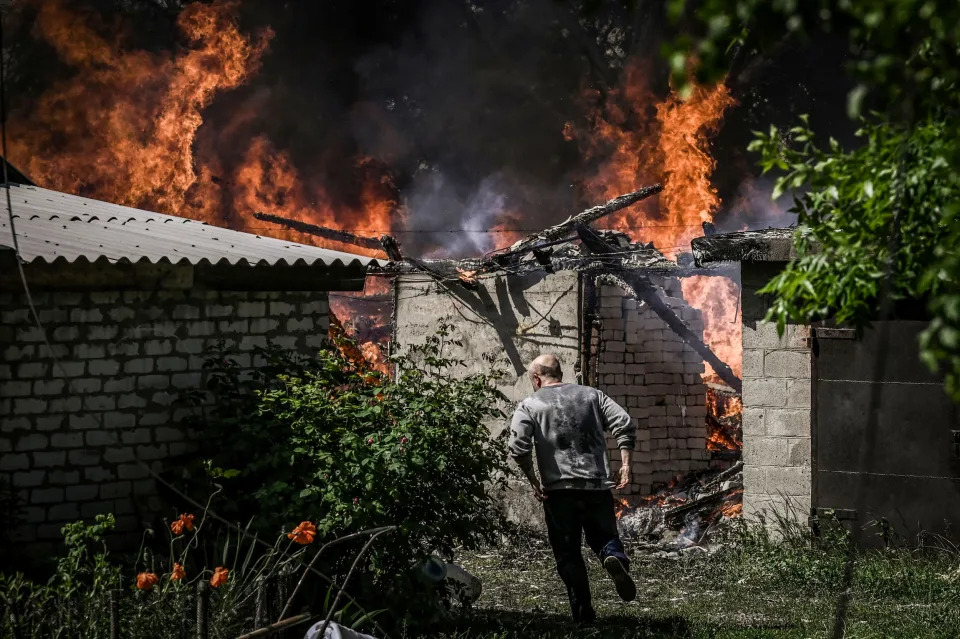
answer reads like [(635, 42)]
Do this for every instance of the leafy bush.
[(331, 440), (76, 594)]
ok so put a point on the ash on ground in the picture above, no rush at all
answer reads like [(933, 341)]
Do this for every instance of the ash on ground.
[(685, 516)]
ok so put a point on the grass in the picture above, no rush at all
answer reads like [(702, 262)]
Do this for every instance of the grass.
[(755, 586)]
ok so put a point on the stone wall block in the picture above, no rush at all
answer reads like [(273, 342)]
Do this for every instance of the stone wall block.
[(764, 392), (799, 393), (84, 315), (793, 481), (105, 367), (788, 422), (251, 309), (100, 332), (295, 325), (799, 452), (789, 364)]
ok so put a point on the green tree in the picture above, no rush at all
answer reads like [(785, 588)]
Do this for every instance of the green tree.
[(877, 223)]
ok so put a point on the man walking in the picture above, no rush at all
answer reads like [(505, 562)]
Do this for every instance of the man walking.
[(565, 424)]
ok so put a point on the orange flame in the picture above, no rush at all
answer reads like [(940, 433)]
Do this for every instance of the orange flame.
[(674, 147), (503, 234), (468, 276), (733, 507), (723, 430), (688, 196), (718, 299), (124, 128), (365, 320), (723, 406), (719, 440)]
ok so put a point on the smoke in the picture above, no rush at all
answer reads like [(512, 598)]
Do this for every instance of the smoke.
[(444, 117), (754, 208), (435, 203), (479, 95)]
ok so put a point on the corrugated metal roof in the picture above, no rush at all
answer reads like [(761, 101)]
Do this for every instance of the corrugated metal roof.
[(55, 226)]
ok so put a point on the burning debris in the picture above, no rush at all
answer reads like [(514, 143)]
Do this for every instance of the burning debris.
[(684, 515), (724, 421), (560, 232)]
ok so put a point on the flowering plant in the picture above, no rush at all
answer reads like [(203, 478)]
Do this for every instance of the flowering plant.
[(355, 449)]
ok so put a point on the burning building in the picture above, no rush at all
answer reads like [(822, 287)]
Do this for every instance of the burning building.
[(210, 128), (614, 312)]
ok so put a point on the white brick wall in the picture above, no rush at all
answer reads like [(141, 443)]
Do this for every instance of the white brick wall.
[(646, 368), (128, 354)]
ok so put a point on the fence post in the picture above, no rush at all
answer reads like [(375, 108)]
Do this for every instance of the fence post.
[(203, 596), (114, 614)]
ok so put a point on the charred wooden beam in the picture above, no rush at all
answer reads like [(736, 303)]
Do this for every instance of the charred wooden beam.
[(322, 231), (728, 473), (696, 504), (391, 248), (556, 233)]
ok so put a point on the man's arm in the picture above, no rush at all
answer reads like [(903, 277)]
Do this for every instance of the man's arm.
[(521, 448), (620, 425)]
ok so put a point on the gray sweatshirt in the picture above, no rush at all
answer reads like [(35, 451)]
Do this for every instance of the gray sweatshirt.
[(566, 424)]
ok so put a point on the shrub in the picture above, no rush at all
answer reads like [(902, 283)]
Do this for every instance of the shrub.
[(331, 440)]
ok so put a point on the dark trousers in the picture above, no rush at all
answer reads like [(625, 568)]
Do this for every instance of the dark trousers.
[(570, 515)]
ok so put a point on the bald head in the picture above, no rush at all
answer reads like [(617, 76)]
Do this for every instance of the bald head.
[(545, 369)]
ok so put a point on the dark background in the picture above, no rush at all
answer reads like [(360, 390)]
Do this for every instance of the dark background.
[(463, 103)]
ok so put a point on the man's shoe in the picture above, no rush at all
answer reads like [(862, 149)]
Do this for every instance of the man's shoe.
[(626, 588)]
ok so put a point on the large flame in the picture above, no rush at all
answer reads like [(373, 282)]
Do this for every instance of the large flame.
[(364, 317), (123, 128), (718, 299), (630, 149), (688, 197)]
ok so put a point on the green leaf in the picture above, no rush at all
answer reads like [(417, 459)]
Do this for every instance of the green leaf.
[(855, 101)]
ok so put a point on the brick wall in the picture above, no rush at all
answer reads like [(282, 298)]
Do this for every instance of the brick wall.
[(776, 407), (128, 354), (646, 368)]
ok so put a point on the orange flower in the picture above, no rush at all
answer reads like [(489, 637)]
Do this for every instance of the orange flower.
[(147, 580), (219, 577), (304, 533), (182, 522), (178, 573)]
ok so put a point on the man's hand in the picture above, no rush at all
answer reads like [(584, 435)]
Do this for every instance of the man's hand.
[(626, 467), (526, 465), (623, 477), (538, 491)]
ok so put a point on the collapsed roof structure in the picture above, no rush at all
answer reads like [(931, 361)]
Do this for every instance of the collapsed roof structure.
[(610, 257)]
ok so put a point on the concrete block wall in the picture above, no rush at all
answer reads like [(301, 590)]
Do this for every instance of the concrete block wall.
[(70, 438), (646, 368), (498, 329), (776, 407)]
